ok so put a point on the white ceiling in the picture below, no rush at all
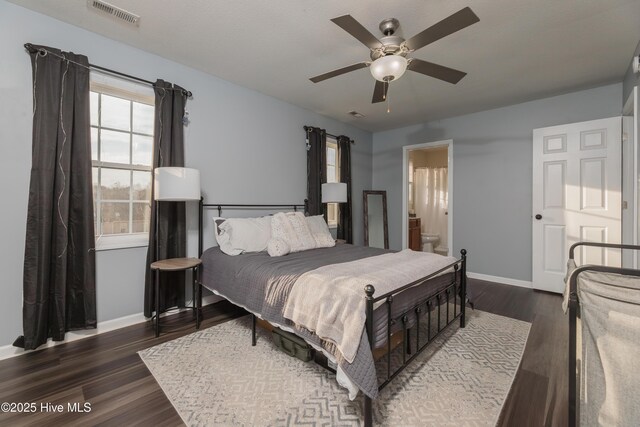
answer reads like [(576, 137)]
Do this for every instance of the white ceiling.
[(520, 50)]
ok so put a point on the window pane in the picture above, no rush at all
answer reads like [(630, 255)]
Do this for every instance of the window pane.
[(331, 156), (331, 174), (115, 184), (143, 118), (114, 218), (93, 106), (94, 143), (94, 178), (114, 146), (332, 210), (94, 182), (115, 113), (141, 217), (141, 186), (142, 150)]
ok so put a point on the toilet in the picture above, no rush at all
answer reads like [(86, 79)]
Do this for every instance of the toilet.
[(429, 241)]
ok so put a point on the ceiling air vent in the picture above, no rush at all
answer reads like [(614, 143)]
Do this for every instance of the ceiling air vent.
[(356, 114), (114, 11)]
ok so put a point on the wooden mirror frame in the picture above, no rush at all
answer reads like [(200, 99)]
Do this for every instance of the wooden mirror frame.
[(365, 204)]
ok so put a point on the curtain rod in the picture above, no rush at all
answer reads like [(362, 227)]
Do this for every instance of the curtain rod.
[(306, 129), (32, 49)]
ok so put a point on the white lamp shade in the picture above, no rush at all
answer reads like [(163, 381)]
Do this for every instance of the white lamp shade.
[(334, 192), (176, 184), (387, 68)]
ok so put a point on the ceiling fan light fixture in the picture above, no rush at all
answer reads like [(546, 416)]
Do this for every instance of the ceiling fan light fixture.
[(388, 68)]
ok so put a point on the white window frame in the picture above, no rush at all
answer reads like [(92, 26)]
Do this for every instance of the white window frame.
[(135, 93), (332, 208)]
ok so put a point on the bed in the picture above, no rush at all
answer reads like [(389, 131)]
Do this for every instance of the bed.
[(412, 314), (604, 335)]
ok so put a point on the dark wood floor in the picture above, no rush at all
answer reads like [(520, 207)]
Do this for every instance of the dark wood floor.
[(539, 395), (106, 371)]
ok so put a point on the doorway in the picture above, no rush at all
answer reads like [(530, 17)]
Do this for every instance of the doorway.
[(427, 197)]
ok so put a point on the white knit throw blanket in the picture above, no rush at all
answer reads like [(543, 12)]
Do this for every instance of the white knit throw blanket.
[(330, 300)]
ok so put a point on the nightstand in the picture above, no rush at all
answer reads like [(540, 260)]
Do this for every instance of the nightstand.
[(178, 264)]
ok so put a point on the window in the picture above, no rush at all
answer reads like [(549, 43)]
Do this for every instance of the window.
[(122, 116), (333, 175)]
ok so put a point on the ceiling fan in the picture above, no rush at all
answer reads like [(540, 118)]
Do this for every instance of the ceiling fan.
[(389, 53)]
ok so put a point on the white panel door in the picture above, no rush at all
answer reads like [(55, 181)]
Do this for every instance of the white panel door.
[(630, 160), (577, 179)]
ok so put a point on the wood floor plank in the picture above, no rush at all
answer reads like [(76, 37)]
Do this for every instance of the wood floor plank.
[(525, 412), (106, 371)]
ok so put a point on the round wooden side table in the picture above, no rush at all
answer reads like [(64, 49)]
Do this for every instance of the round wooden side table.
[(178, 264)]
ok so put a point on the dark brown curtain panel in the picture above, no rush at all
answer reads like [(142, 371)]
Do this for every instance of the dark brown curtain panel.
[(59, 261), (345, 220), (316, 170), (168, 150)]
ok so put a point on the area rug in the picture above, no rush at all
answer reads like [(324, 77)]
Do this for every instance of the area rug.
[(214, 377)]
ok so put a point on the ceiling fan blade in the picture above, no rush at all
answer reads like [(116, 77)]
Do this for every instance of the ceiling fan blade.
[(338, 72), (434, 70), (456, 22), (380, 92), (353, 27)]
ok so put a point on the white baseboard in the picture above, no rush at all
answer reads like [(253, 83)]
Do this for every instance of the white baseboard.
[(503, 280), (8, 351)]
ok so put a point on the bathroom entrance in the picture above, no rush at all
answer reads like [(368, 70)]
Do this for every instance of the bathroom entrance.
[(427, 210)]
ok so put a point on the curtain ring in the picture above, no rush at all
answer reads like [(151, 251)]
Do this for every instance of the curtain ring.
[(42, 52)]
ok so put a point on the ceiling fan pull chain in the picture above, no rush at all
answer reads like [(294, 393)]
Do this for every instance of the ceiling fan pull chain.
[(387, 96)]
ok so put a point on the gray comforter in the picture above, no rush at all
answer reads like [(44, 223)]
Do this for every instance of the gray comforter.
[(261, 284)]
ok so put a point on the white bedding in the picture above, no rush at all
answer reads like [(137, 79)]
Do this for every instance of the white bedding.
[(330, 300)]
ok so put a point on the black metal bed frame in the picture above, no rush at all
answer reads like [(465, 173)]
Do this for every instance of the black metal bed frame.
[(574, 312), (429, 304)]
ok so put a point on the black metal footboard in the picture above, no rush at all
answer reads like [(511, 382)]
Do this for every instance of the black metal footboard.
[(423, 307), (574, 313)]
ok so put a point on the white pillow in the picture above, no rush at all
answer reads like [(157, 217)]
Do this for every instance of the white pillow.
[(244, 235), (217, 222), (320, 231), (293, 229), (278, 247)]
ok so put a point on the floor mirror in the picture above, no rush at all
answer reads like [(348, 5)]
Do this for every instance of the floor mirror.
[(376, 230)]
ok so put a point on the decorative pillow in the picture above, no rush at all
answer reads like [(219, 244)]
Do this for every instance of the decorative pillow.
[(217, 222), (243, 235), (293, 229), (278, 247), (320, 231)]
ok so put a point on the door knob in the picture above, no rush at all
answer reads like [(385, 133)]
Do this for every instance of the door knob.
[(538, 216)]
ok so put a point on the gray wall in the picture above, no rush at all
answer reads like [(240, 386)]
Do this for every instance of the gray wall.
[(249, 148), (492, 173), (631, 79)]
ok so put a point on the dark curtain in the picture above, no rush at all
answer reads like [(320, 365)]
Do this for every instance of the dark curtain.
[(345, 220), (59, 261), (316, 170), (168, 150)]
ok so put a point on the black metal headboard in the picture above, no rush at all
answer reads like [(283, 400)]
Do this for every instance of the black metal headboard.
[(221, 206)]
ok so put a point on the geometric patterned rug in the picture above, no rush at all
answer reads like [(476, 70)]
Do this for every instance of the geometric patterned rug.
[(214, 377)]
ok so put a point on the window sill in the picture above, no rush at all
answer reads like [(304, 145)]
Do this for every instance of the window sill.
[(108, 243)]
